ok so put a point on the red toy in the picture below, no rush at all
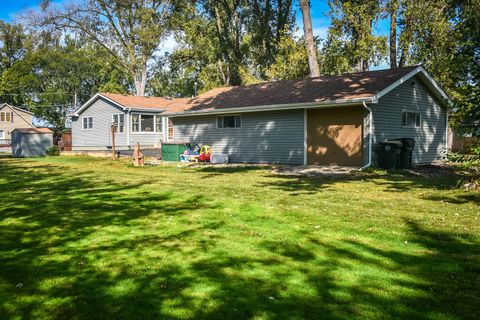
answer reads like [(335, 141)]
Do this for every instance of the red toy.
[(205, 153)]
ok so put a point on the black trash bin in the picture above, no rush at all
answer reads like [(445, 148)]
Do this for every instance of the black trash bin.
[(407, 152), (390, 154), (405, 160)]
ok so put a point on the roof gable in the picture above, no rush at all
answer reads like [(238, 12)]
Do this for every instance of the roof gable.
[(33, 130), (18, 112), (422, 74), (128, 102)]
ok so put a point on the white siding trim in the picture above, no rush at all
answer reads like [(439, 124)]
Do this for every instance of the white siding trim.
[(92, 99), (435, 87), (128, 127)]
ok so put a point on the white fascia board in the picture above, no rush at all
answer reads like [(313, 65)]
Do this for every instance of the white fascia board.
[(276, 107), (418, 70), (18, 109), (146, 110), (91, 100)]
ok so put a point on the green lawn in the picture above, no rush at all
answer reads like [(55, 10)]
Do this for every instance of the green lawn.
[(84, 238)]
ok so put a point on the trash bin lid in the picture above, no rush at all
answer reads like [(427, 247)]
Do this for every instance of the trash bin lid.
[(396, 143), (408, 142)]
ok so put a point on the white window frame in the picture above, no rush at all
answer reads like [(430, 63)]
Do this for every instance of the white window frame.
[(417, 114), (83, 123), (2, 134), (139, 114), (119, 124), (223, 121)]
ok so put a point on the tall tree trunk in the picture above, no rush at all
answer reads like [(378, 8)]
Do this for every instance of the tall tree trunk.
[(223, 45), (309, 41), (140, 81), (393, 34)]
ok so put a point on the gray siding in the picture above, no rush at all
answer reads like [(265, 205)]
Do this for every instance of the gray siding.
[(265, 137), (100, 136), (146, 139), (412, 96), (30, 144)]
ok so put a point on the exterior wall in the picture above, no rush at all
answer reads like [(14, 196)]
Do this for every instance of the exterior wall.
[(265, 137), (100, 138), (31, 144), (23, 121), (146, 139), (412, 96)]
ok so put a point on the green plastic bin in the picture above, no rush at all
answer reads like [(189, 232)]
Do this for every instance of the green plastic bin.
[(171, 151)]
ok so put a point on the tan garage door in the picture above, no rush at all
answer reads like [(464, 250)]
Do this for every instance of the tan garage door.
[(334, 136)]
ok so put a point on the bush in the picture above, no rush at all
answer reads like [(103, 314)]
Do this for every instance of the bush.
[(53, 151), (475, 150), (464, 161)]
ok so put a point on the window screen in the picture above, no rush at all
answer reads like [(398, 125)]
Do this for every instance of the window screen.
[(146, 123), (229, 122), (411, 119)]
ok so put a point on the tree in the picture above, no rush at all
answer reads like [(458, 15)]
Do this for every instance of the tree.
[(129, 30), (291, 61), (309, 40), (14, 44), (352, 25), (392, 9), (48, 76)]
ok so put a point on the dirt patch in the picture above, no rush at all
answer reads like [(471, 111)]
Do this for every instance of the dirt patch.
[(434, 170), (315, 171)]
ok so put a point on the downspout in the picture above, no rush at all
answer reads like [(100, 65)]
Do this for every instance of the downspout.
[(370, 134), (446, 132), (128, 128)]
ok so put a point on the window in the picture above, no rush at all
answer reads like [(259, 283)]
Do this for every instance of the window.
[(135, 122), (6, 116), (411, 119), (158, 124), (119, 122), (2, 134), (146, 123), (87, 123), (229, 122)]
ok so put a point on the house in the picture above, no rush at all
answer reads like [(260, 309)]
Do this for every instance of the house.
[(321, 121), (31, 142), (12, 118), (135, 119)]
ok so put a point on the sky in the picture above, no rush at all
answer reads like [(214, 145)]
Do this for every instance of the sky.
[(319, 10)]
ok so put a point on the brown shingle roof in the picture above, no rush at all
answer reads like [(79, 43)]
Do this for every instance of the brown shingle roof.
[(348, 86), (33, 130), (138, 102)]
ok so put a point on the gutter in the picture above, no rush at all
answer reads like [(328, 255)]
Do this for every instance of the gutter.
[(276, 107), (370, 134)]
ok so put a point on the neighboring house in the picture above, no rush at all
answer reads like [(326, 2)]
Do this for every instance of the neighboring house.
[(322, 121), (136, 119), (12, 118)]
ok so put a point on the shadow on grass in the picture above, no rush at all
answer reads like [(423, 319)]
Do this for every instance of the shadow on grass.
[(47, 213)]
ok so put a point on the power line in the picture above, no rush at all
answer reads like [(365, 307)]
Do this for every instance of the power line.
[(38, 93)]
